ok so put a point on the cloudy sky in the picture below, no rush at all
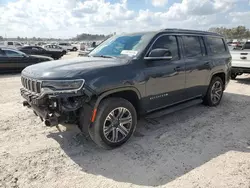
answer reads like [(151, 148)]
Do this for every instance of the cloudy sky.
[(67, 18)]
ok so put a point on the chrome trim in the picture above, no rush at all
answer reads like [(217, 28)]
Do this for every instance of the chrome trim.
[(158, 58), (72, 90), (31, 85)]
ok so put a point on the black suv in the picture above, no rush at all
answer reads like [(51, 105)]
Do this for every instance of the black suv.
[(128, 76)]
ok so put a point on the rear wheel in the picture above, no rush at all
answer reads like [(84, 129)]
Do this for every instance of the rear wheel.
[(74, 49), (214, 92), (115, 123)]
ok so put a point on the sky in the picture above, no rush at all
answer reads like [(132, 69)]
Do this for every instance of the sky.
[(67, 18)]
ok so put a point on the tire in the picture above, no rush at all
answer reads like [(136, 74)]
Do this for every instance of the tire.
[(102, 121), (214, 90), (233, 76), (64, 52), (74, 49)]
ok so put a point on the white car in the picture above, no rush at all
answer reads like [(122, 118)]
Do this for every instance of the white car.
[(240, 61), (11, 44), (67, 46), (54, 48)]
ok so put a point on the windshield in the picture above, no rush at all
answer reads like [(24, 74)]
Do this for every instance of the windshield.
[(129, 45)]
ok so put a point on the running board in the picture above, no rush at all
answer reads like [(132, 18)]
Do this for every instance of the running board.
[(171, 109)]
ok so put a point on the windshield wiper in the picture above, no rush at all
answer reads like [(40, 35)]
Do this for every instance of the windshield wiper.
[(104, 56)]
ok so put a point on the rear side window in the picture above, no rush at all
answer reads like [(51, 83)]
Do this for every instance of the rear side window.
[(168, 42), (10, 43), (247, 45), (193, 46), (11, 53), (216, 45)]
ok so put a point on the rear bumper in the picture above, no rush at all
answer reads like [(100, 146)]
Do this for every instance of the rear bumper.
[(237, 70)]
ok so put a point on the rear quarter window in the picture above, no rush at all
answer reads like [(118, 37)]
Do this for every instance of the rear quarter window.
[(247, 45), (216, 45)]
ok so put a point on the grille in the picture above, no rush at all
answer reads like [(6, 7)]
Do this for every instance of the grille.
[(31, 85)]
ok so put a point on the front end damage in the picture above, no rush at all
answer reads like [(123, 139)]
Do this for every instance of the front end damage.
[(56, 107)]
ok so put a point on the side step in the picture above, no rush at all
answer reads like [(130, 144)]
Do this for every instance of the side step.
[(171, 109)]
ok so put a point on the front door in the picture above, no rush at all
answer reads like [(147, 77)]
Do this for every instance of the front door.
[(165, 79)]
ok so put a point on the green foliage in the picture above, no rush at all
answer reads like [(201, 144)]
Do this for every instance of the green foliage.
[(240, 32), (90, 37)]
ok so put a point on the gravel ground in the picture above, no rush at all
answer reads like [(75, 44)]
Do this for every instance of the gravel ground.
[(195, 147)]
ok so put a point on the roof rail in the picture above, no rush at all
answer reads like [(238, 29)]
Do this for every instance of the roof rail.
[(188, 30)]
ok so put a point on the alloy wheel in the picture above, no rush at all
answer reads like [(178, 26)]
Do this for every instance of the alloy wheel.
[(117, 125), (216, 92)]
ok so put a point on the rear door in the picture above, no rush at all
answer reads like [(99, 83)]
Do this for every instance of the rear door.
[(198, 65)]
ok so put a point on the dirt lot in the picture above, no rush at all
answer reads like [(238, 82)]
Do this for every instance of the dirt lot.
[(195, 147)]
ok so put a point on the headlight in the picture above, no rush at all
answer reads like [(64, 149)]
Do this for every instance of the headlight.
[(62, 84)]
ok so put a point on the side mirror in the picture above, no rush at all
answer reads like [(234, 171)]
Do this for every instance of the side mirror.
[(159, 54)]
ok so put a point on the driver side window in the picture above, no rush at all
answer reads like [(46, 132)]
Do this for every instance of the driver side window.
[(168, 42)]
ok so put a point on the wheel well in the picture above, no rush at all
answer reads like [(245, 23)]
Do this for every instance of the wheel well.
[(129, 95), (222, 75)]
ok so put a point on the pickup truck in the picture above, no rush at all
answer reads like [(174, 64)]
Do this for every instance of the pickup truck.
[(126, 77), (240, 61)]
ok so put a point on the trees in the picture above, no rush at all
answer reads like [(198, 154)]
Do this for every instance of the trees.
[(240, 32), (1, 38)]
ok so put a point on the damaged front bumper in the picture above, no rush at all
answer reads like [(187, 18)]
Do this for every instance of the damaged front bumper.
[(55, 108)]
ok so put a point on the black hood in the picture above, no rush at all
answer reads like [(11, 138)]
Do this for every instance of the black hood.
[(70, 68)]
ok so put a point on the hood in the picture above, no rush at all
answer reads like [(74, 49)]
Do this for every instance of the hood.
[(69, 68)]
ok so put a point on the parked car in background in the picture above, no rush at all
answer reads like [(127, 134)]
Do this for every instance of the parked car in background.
[(54, 48), (14, 60), (37, 50), (240, 61), (67, 46), (11, 44), (246, 46), (128, 76), (85, 52)]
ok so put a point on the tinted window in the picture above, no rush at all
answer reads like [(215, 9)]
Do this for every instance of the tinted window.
[(168, 42), (11, 53), (192, 46), (247, 45), (10, 43), (216, 45)]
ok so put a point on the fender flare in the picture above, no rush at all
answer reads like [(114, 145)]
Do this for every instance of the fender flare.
[(105, 94), (214, 73)]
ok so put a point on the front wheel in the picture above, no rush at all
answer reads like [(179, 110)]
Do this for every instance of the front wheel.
[(214, 93), (115, 123)]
